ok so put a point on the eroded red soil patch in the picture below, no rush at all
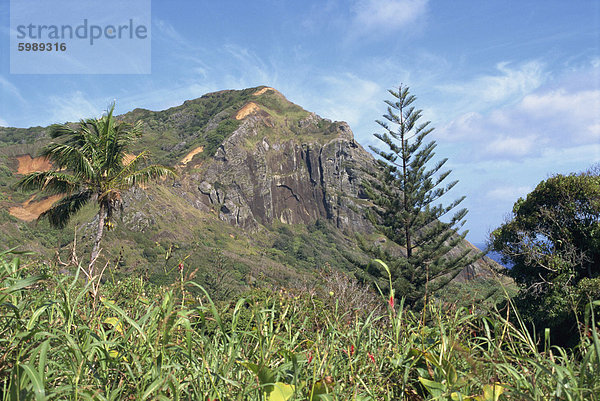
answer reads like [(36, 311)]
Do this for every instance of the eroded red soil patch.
[(28, 164), (30, 211)]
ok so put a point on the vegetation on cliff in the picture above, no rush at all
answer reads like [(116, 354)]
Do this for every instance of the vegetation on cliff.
[(266, 192)]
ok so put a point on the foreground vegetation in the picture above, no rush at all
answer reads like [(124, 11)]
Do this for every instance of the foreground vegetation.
[(331, 343)]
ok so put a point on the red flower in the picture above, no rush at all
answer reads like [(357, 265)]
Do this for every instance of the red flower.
[(391, 302), (371, 357), (310, 357), (180, 267), (351, 349)]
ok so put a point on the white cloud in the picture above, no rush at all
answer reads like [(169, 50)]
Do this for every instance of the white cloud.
[(321, 13), (12, 90), (509, 147), (73, 107), (576, 114), (464, 127), (250, 69), (573, 159), (349, 98), (508, 193), (166, 31), (540, 122), (185, 52), (388, 14), (508, 84), (163, 98), (3, 123)]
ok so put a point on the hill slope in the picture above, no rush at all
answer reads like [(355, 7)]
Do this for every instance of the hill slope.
[(267, 193)]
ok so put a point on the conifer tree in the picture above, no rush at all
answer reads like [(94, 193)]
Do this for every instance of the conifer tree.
[(406, 193)]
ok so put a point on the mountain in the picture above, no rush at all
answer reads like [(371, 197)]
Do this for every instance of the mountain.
[(267, 192)]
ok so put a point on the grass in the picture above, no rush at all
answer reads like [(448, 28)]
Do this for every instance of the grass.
[(164, 343)]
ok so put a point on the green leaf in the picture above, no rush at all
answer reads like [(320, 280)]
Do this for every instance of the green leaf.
[(435, 389), (37, 381), (320, 392), (251, 366), (266, 376), (26, 282), (459, 397), (152, 388), (281, 392), (451, 375), (43, 357), (385, 266), (491, 392), (129, 320), (114, 322), (35, 316)]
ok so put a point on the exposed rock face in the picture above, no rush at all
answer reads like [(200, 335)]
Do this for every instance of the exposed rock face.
[(293, 180)]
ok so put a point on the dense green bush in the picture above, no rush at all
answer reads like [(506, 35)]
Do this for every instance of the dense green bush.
[(553, 244)]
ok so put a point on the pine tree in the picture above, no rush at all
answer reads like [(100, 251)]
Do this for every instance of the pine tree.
[(405, 193)]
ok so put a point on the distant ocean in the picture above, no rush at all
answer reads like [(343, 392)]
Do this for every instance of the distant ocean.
[(495, 256)]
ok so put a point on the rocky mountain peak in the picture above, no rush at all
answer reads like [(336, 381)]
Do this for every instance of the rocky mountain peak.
[(283, 164)]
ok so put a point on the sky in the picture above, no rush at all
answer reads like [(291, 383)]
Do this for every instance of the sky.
[(511, 87)]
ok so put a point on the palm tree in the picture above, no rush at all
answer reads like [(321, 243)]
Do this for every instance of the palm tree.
[(92, 163)]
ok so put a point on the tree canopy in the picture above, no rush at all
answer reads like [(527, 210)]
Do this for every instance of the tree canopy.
[(406, 192), (553, 242)]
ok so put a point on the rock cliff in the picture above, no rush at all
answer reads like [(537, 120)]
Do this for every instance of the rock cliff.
[(256, 179)]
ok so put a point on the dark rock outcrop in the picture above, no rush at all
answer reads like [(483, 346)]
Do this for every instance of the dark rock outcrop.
[(255, 179)]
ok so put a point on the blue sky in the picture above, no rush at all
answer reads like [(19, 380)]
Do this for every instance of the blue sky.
[(512, 87)]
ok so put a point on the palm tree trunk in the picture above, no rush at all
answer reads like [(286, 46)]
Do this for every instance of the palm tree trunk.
[(99, 231)]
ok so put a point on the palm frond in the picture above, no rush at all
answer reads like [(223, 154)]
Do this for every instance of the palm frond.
[(90, 132), (144, 175), (108, 136), (117, 139), (54, 182), (70, 157), (64, 131), (59, 214), (32, 181), (132, 166), (89, 162)]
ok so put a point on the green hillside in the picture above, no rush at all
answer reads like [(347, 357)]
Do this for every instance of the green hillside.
[(293, 177)]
